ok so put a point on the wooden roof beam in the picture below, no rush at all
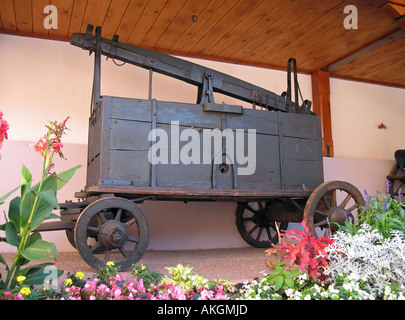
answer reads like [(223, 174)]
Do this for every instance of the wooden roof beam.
[(369, 48)]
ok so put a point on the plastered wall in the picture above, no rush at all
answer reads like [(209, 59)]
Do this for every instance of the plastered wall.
[(42, 80)]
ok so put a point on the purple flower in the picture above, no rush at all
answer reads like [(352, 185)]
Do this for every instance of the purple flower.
[(387, 186), (367, 200)]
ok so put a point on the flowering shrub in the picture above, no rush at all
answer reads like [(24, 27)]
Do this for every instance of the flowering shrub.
[(30, 208), (359, 262), (369, 256), (381, 212), (308, 252)]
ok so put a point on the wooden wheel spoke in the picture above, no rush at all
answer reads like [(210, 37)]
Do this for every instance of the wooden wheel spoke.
[(253, 229), (132, 239), (130, 223), (259, 234), (93, 229), (355, 206), (321, 223), (325, 214), (251, 209), (118, 215), (268, 233), (124, 253), (102, 217), (345, 201), (107, 255), (96, 246), (326, 202)]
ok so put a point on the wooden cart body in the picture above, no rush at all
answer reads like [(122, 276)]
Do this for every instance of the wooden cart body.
[(287, 151)]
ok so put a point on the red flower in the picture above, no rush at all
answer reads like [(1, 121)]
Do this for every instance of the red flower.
[(56, 145), (40, 146), (3, 129)]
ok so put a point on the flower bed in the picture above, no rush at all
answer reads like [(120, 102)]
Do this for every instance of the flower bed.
[(363, 260)]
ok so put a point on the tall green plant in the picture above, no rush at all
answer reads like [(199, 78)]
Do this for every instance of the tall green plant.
[(33, 206), (381, 212)]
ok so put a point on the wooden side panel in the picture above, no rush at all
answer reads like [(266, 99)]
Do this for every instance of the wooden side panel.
[(300, 151), (200, 150)]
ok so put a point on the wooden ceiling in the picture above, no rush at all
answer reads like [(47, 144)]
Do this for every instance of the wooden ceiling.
[(254, 32)]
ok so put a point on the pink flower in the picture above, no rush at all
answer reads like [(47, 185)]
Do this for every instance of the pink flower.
[(56, 145), (3, 129)]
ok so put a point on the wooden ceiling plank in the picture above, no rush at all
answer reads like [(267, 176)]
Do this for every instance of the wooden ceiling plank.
[(203, 13), (147, 19), (131, 17), (276, 21), (7, 14), (393, 10), (79, 7), (369, 48), (113, 17), (96, 11), (383, 62), (216, 16), (225, 25), (250, 32), (291, 39), (23, 15), (65, 11), (372, 27), (249, 21), (160, 28), (335, 42), (38, 17)]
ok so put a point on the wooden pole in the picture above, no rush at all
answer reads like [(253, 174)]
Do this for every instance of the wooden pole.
[(321, 106)]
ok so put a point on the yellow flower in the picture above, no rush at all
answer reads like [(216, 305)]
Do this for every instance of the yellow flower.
[(25, 291), (79, 275), (110, 264), (20, 279), (143, 267), (68, 282)]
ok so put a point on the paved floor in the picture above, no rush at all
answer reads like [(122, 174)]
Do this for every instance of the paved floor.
[(236, 265)]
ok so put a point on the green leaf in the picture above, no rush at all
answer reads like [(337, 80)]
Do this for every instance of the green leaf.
[(39, 250), (11, 235), (64, 177), (37, 274), (43, 211), (14, 212), (289, 282), (26, 178), (278, 283), (3, 198), (50, 197), (3, 261)]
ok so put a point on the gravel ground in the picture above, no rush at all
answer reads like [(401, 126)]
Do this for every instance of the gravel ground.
[(236, 265)]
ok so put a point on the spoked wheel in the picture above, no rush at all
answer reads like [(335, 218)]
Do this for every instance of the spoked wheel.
[(112, 229), (332, 202), (397, 182), (254, 225)]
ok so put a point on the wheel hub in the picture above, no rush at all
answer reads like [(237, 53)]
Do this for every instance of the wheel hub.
[(338, 215), (113, 234)]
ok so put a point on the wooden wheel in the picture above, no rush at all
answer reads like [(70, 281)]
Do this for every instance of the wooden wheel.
[(254, 225), (332, 202), (111, 229)]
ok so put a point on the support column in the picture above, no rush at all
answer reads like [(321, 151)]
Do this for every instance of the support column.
[(321, 106)]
